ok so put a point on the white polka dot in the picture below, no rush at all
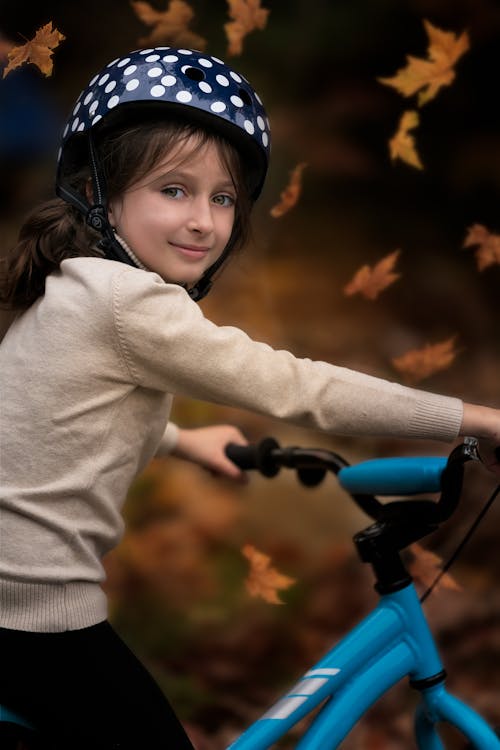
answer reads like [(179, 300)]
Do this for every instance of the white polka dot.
[(155, 72), (113, 102), (235, 76), (249, 127), (237, 101), (157, 90), (217, 60), (218, 107), (93, 107), (131, 69), (111, 85), (94, 79), (169, 80), (132, 84), (206, 87), (152, 58), (170, 58), (205, 63), (261, 123), (265, 139), (103, 80), (88, 98), (222, 80), (65, 131), (183, 96), (146, 51), (185, 52), (109, 65), (75, 124), (75, 111), (161, 48), (81, 127), (123, 62), (96, 119)]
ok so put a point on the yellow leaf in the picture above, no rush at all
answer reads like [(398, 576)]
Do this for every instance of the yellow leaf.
[(418, 364), (291, 193), (426, 566), (246, 15), (169, 26), (263, 580), (402, 144), (429, 75), (487, 244), (38, 50), (369, 282)]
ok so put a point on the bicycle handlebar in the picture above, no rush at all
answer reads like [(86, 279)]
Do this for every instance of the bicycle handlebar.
[(385, 476)]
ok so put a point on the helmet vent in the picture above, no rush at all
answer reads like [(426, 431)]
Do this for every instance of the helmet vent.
[(195, 74), (245, 96)]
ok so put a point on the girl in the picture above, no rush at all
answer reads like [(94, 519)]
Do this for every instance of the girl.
[(161, 160)]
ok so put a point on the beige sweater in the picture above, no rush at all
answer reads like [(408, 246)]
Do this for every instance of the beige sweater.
[(87, 377)]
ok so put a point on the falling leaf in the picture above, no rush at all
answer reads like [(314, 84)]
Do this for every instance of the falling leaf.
[(371, 281), (488, 246), (402, 144), (426, 566), (429, 75), (247, 15), (169, 26), (263, 580), (38, 50), (291, 193), (418, 364)]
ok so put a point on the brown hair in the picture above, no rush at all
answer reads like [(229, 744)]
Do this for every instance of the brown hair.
[(56, 230)]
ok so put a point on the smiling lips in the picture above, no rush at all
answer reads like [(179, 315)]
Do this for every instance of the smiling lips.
[(191, 251)]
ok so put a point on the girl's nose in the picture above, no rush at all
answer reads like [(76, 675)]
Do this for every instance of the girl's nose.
[(201, 219)]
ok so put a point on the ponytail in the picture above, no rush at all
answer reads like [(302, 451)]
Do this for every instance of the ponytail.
[(51, 233)]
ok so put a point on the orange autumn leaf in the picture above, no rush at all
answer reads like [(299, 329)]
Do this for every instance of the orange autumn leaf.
[(429, 75), (426, 566), (418, 364), (169, 26), (263, 580), (369, 282), (38, 50), (402, 144), (246, 15), (291, 193), (487, 245)]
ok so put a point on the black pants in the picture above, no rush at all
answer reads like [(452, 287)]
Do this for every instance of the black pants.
[(85, 689)]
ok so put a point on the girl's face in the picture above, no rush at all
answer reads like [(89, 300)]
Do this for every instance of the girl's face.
[(178, 219)]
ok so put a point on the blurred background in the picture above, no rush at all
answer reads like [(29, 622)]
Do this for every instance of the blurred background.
[(177, 582)]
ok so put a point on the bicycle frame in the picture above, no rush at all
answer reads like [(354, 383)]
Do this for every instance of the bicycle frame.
[(392, 642)]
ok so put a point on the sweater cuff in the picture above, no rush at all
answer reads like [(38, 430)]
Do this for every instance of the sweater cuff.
[(168, 441)]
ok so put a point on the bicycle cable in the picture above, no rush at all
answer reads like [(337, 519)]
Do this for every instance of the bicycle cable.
[(461, 545)]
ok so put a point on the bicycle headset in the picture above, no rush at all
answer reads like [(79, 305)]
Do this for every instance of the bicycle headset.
[(176, 83)]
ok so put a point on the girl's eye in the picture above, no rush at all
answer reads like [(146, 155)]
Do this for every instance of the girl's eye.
[(224, 200), (173, 192)]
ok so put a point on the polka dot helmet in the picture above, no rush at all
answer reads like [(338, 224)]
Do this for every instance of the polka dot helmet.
[(217, 97)]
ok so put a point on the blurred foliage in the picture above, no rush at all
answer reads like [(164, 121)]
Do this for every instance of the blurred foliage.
[(176, 581)]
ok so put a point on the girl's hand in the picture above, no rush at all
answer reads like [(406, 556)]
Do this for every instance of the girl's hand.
[(483, 422), (205, 446)]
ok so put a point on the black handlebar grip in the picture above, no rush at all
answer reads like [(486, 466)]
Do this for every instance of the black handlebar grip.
[(244, 456)]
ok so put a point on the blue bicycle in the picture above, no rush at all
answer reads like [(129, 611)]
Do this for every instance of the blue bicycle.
[(394, 640)]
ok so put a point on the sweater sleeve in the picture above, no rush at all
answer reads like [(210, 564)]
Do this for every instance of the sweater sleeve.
[(168, 440), (168, 345)]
